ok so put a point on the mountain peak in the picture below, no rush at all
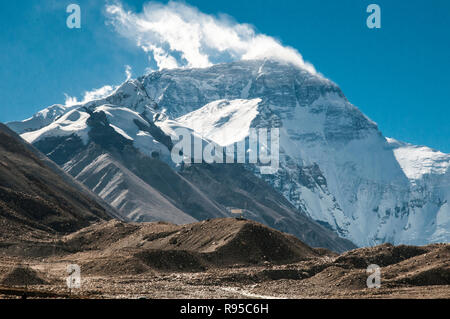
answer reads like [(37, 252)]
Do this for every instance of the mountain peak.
[(335, 165)]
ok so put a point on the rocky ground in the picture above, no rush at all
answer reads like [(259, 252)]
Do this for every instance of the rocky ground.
[(222, 258)]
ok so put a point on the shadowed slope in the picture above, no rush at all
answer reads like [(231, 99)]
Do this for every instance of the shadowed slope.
[(36, 195)]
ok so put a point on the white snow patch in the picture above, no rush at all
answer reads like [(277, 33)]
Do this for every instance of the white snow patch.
[(121, 132), (225, 122), (417, 161), (73, 122)]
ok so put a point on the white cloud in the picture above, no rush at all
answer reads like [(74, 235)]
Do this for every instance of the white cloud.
[(96, 94), (179, 35), (128, 72), (70, 100), (88, 96)]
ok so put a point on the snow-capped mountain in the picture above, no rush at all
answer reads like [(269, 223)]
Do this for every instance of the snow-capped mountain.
[(335, 165)]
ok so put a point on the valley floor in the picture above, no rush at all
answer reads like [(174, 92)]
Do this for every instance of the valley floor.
[(191, 286), (222, 258), (258, 282)]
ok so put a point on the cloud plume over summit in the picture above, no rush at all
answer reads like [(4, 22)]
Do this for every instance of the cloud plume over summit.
[(178, 35)]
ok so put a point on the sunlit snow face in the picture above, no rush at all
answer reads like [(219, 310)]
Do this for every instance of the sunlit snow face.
[(261, 147)]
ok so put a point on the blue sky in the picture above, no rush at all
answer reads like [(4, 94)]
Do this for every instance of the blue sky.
[(397, 75)]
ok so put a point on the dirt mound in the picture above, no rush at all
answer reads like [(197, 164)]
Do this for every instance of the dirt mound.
[(431, 268), (191, 248), (115, 266), (229, 241), (173, 260), (22, 276), (100, 236), (401, 266), (429, 277), (383, 255), (340, 278), (255, 244), (114, 236)]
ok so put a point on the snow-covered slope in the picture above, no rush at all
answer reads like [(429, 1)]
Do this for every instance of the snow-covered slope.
[(225, 122), (40, 119), (130, 94), (72, 122), (419, 161), (335, 165)]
